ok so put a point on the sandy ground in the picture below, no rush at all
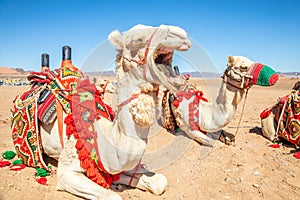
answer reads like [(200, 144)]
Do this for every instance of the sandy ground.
[(248, 170)]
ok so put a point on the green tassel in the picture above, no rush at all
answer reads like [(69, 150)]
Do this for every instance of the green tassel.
[(41, 172), (8, 155), (17, 162)]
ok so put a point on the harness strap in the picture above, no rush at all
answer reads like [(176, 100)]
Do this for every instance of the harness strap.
[(59, 114), (243, 109), (280, 117), (134, 96), (137, 168), (143, 61), (231, 84)]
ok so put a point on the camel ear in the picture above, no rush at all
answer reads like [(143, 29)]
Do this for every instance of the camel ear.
[(230, 59), (115, 39)]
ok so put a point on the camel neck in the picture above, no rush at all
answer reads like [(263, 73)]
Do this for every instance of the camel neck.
[(222, 110)]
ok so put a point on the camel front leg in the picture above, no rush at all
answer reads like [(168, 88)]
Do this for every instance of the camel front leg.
[(200, 137), (71, 177), (78, 184), (143, 179)]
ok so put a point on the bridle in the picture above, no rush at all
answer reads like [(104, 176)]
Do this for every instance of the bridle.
[(143, 61), (231, 81), (140, 62), (243, 85)]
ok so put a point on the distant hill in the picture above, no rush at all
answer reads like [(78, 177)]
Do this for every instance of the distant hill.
[(5, 71), (204, 74), (101, 73), (193, 74), (18, 72), (291, 74)]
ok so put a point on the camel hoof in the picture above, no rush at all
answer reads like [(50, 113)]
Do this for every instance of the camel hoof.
[(227, 138), (155, 183)]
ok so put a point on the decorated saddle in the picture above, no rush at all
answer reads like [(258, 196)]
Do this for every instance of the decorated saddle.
[(286, 117), (38, 104), (188, 92), (24, 125)]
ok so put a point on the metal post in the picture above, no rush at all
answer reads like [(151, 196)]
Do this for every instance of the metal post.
[(45, 62)]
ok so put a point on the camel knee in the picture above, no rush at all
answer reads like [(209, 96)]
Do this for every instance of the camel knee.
[(77, 183)]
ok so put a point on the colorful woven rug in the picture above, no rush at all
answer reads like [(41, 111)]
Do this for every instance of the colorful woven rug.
[(83, 104), (47, 107), (39, 103), (289, 125), (87, 106), (167, 117), (188, 92), (25, 134)]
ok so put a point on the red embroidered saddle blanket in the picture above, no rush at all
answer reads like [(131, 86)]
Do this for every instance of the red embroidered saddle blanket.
[(24, 125), (38, 103), (289, 125), (287, 117), (190, 93)]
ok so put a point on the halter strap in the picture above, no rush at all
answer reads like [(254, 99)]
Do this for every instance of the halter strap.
[(137, 168), (127, 101), (246, 79), (143, 61)]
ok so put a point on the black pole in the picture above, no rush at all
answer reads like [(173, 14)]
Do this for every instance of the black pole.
[(45, 62), (176, 69), (66, 50)]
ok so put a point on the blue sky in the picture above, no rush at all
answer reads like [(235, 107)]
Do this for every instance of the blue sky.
[(266, 31)]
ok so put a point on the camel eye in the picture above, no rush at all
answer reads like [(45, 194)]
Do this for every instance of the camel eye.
[(244, 69)]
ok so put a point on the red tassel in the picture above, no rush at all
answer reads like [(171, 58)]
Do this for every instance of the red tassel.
[(297, 155), (264, 114), (42, 180), (274, 145), (176, 103), (17, 167), (4, 163)]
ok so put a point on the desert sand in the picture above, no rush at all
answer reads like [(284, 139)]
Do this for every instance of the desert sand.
[(247, 170)]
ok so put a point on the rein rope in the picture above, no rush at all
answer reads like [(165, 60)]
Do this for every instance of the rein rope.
[(243, 109), (244, 86)]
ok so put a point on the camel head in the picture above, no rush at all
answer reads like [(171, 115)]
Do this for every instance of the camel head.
[(151, 49), (242, 73)]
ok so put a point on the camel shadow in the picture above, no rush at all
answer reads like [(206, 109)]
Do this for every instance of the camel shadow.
[(258, 130)]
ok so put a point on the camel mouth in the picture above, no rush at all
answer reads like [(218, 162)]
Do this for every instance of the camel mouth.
[(163, 58)]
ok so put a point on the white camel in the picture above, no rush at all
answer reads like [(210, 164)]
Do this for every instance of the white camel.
[(240, 75), (145, 56)]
